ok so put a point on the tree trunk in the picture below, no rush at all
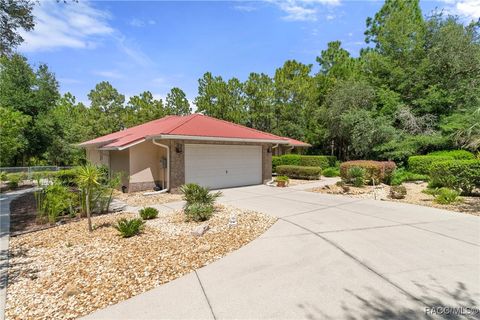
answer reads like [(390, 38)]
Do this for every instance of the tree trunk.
[(87, 205)]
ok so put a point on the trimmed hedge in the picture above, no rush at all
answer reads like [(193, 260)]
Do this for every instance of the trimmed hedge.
[(300, 172), (463, 175), (455, 154), (422, 164), (304, 161), (381, 171)]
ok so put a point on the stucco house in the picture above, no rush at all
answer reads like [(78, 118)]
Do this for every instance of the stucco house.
[(171, 151)]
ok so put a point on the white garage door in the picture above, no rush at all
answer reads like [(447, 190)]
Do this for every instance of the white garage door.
[(223, 166)]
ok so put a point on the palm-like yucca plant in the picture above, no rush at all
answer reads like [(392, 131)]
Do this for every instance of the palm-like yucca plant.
[(129, 228), (193, 193), (88, 180)]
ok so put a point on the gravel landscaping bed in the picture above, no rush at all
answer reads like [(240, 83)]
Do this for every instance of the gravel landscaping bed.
[(138, 199), (296, 182), (66, 272), (470, 205)]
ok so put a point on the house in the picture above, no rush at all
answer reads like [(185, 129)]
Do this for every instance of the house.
[(171, 151)]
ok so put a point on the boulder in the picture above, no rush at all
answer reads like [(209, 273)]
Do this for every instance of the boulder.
[(200, 230)]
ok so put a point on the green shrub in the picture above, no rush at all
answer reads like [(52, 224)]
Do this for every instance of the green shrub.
[(67, 177), (455, 154), (463, 175), (331, 172), (193, 193), (304, 161), (402, 175), (276, 161), (3, 176), (199, 201), (398, 192), (356, 176), (148, 213), (129, 228), (300, 172), (380, 171), (53, 201), (198, 212), (282, 178), (422, 164), (446, 196), (13, 182)]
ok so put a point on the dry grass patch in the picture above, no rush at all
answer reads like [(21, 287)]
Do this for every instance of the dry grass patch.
[(138, 199), (66, 272)]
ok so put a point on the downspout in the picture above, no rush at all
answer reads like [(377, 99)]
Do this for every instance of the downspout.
[(271, 182), (168, 169)]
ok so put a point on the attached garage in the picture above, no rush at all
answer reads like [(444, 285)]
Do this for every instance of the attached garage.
[(223, 166), (169, 152)]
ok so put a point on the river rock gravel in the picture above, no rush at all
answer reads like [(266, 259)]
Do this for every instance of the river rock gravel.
[(66, 272)]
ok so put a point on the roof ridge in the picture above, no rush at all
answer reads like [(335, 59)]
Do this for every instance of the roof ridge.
[(242, 126), (188, 118)]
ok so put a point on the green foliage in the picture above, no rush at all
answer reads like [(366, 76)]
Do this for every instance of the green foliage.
[(199, 201), (356, 176), (402, 175), (67, 177), (53, 201), (15, 15), (193, 193), (129, 227), (375, 171), (422, 164), (198, 212), (12, 140), (282, 179), (3, 176), (446, 196), (148, 213), (331, 172), (177, 102), (454, 154), (13, 181), (300, 172), (276, 161), (304, 161), (463, 175)]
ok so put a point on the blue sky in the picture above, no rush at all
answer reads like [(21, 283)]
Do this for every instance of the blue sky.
[(156, 45)]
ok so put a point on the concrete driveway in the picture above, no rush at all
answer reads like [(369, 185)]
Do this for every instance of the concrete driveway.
[(328, 257)]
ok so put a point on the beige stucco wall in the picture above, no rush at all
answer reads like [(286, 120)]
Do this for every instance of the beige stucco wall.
[(145, 168), (120, 162), (98, 157)]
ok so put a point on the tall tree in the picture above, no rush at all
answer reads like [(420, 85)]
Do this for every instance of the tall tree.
[(14, 15), (12, 138), (143, 108), (106, 109), (220, 99), (259, 101), (177, 102)]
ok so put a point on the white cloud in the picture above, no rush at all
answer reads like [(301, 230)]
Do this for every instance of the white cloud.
[(141, 23), (245, 8), (304, 10), (330, 17), (71, 25), (111, 74), (468, 8), (132, 50)]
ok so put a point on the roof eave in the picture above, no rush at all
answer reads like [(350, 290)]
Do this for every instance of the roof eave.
[(205, 138)]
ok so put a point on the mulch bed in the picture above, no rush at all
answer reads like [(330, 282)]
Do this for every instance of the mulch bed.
[(66, 272)]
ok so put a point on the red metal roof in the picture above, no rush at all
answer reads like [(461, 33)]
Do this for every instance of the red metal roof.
[(195, 125), (297, 143)]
